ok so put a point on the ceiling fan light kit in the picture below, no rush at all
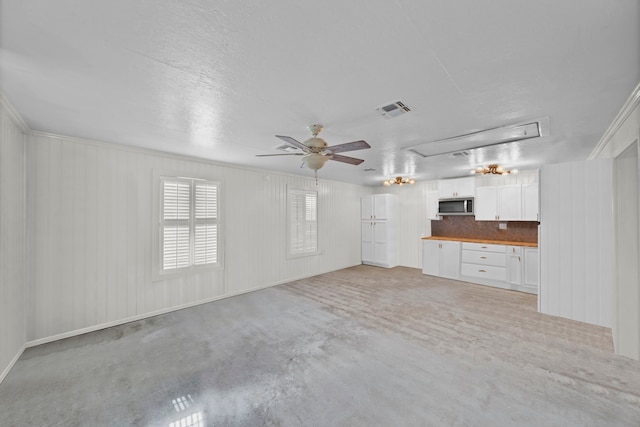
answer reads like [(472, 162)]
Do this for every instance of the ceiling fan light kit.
[(398, 181)]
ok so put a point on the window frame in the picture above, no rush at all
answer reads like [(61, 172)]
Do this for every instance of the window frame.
[(158, 273), (305, 191)]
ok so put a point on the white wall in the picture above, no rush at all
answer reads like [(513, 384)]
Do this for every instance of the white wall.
[(624, 136), (12, 239), (522, 177), (576, 226), (89, 214)]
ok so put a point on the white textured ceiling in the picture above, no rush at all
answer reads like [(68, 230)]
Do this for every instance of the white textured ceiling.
[(218, 79)]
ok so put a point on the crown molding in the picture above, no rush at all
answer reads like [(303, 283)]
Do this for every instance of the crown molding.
[(13, 114), (632, 102)]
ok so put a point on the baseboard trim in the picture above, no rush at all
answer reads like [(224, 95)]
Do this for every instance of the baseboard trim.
[(4, 373), (119, 322)]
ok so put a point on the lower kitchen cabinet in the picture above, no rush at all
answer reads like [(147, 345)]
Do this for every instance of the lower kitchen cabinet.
[(502, 266), (441, 258), (514, 265), (530, 273), (484, 263)]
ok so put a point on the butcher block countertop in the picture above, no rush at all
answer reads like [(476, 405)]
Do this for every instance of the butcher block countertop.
[(495, 242)]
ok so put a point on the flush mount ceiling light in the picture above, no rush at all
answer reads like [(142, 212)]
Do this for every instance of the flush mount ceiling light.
[(493, 169), (480, 139), (399, 181)]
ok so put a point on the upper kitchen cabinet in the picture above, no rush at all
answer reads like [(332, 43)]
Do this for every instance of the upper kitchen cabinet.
[(530, 202), (459, 187), (375, 206), (432, 205), (500, 203)]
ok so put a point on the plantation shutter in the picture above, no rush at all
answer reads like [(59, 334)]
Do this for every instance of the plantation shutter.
[(188, 223), (175, 223), (206, 227), (303, 224)]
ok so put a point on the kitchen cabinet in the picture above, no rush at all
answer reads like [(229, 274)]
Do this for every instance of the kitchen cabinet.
[(530, 274), (484, 263), (458, 187), (502, 266), (376, 206), (499, 203), (432, 205), (514, 266), (379, 230), (530, 202), (441, 258)]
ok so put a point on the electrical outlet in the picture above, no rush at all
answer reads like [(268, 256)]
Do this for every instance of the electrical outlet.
[(502, 226)]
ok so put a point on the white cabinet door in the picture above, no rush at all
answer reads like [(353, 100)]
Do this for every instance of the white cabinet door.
[(465, 187), (432, 205), (445, 189), (514, 265), (530, 202), (380, 206), (375, 207), (531, 267), (459, 187), (509, 202), (367, 242), (380, 247), (366, 207), (431, 257), (450, 259), (486, 202)]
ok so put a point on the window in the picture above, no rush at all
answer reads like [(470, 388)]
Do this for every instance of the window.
[(303, 222), (188, 223)]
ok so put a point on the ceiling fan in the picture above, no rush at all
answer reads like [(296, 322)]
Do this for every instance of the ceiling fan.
[(316, 151)]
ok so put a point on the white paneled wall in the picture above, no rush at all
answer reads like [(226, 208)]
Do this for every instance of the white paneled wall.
[(621, 139), (576, 241), (12, 239), (522, 177), (90, 209), (412, 217)]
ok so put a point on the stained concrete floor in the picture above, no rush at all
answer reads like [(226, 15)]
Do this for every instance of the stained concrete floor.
[(358, 347)]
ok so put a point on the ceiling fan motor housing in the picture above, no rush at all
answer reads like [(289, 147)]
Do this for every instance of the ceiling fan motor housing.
[(316, 144)]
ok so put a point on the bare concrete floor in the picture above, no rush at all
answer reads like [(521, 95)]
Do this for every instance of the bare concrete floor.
[(363, 346)]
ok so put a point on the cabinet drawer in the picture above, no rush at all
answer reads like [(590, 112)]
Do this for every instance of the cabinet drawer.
[(488, 272), (484, 258), (484, 247)]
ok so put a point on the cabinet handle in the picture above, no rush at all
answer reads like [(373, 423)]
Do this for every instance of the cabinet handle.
[(513, 250), (482, 271), (518, 258), (483, 247), (483, 257)]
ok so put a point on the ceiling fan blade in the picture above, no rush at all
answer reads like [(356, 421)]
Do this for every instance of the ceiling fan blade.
[(349, 146), (293, 142), (283, 154), (346, 159)]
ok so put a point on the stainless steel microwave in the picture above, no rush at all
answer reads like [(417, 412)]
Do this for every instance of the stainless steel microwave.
[(455, 206)]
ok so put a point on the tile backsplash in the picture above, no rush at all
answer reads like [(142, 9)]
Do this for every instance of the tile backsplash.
[(467, 226)]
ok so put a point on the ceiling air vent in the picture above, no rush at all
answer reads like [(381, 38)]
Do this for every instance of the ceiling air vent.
[(459, 154), (393, 109)]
